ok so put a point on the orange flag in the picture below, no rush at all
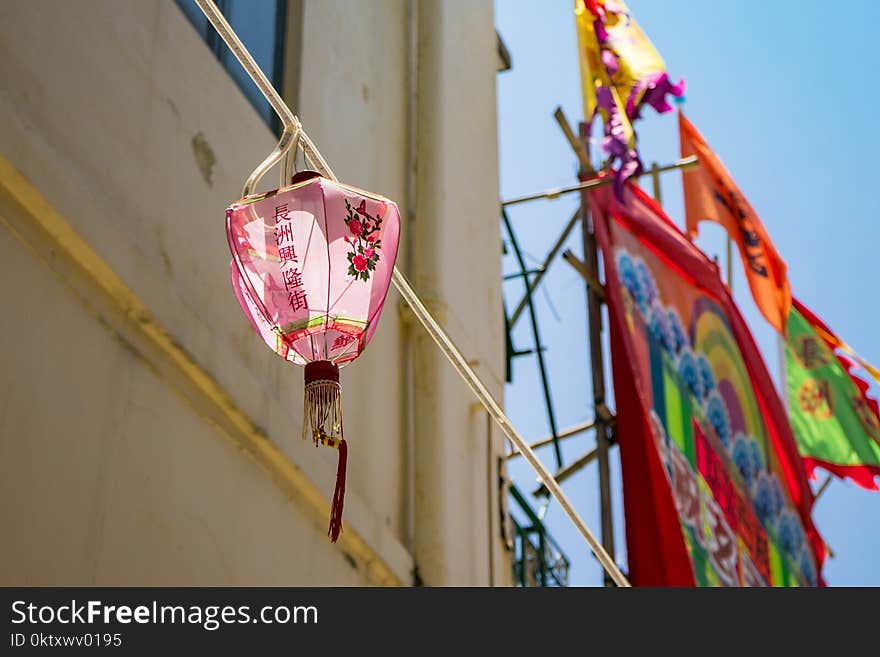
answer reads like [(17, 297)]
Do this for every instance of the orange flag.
[(711, 195)]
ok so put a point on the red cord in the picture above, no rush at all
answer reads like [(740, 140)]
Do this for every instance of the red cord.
[(338, 494)]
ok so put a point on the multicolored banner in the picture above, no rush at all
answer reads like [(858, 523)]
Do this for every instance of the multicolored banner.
[(836, 423), (711, 195), (714, 490)]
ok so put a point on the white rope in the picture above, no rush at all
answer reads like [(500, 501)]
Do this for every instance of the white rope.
[(291, 133)]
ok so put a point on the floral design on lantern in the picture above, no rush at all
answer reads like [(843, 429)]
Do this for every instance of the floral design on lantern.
[(364, 228)]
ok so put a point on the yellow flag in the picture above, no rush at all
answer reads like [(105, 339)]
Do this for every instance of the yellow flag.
[(608, 25), (621, 71)]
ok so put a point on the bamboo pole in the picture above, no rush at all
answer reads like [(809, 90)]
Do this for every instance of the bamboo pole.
[(655, 179), (590, 183), (822, 488), (567, 471), (551, 255), (576, 144), (539, 352), (595, 298), (565, 433), (589, 277), (729, 263)]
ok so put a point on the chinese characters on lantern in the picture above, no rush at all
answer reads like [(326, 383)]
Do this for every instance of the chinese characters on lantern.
[(290, 273), (343, 340), (290, 265)]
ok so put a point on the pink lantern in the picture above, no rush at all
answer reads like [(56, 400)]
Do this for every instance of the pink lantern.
[(311, 265)]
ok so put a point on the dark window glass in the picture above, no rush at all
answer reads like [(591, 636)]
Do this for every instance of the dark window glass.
[(260, 24)]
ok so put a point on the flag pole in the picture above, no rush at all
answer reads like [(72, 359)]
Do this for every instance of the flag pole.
[(822, 488), (580, 145), (551, 194), (783, 375), (730, 264), (655, 179)]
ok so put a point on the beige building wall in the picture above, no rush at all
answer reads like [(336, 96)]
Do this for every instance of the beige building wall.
[(147, 436)]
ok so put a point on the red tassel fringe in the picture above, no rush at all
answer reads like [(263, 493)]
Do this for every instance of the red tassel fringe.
[(338, 494)]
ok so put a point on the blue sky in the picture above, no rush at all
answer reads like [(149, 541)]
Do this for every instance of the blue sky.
[(782, 92)]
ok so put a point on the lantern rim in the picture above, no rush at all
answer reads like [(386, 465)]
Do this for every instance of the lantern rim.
[(253, 198)]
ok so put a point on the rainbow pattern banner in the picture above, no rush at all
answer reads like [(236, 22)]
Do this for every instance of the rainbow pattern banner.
[(714, 491)]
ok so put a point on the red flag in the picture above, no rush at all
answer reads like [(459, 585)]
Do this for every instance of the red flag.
[(714, 489)]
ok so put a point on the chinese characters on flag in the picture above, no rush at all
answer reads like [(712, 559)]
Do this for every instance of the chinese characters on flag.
[(711, 195)]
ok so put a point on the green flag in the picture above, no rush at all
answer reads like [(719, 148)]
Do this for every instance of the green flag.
[(836, 424)]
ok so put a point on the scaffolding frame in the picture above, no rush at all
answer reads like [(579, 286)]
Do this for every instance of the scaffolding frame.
[(603, 423)]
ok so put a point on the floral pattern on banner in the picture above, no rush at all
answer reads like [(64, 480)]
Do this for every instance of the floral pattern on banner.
[(364, 228)]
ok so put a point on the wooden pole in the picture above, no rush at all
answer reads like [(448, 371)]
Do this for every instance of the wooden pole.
[(597, 361), (822, 488), (531, 286), (565, 433), (586, 273), (550, 194), (655, 178), (564, 473), (730, 263), (579, 146)]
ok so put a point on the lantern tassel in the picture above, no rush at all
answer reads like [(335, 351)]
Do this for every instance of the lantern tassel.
[(338, 494), (322, 421)]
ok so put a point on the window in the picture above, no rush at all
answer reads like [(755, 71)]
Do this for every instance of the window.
[(261, 25)]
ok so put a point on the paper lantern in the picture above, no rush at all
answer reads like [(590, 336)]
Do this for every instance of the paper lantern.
[(311, 265)]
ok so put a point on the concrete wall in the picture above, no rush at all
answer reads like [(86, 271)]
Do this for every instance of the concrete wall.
[(126, 124), (457, 268)]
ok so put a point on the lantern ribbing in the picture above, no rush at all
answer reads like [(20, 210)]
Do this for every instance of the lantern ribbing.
[(294, 135)]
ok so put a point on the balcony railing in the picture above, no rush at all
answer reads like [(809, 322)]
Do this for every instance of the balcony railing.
[(538, 560)]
